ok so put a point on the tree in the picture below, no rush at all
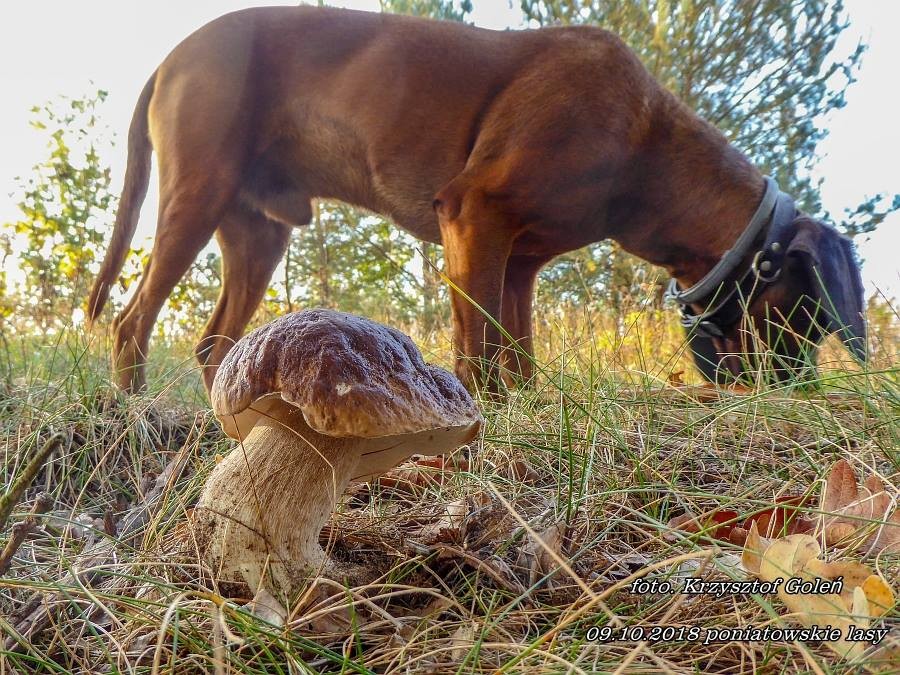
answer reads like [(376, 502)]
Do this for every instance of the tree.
[(348, 260), (433, 9), (765, 73), (63, 205)]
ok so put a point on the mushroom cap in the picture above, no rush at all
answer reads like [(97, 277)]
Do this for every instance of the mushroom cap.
[(348, 375)]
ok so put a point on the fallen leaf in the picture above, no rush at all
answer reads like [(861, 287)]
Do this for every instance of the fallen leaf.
[(543, 550), (880, 596), (715, 524), (467, 520), (854, 515), (857, 515), (449, 525), (783, 518), (855, 575), (442, 463), (754, 549), (887, 537), (462, 641), (265, 606), (676, 378), (788, 556), (863, 597), (840, 487), (519, 470), (727, 525)]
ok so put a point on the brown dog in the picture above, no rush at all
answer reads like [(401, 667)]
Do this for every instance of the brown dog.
[(508, 148)]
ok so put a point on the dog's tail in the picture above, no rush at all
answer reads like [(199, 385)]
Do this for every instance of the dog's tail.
[(137, 178)]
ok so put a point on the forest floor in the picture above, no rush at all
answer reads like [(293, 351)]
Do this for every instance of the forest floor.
[(501, 558)]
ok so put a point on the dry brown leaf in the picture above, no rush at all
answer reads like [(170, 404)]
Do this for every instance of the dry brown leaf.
[(754, 549), (727, 525), (887, 537), (471, 517), (786, 557), (838, 534), (840, 488), (716, 524), (855, 575), (864, 596), (519, 470), (880, 596), (855, 514), (462, 641), (449, 525), (676, 378), (853, 511), (542, 551), (266, 607)]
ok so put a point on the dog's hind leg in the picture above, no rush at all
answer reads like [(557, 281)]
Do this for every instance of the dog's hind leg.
[(185, 226), (252, 245), (192, 202), (200, 120), (518, 296)]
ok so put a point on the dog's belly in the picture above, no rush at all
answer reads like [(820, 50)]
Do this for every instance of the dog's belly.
[(378, 112), (312, 152), (322, 164)]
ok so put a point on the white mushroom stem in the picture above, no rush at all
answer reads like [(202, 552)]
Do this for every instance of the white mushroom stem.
[(260, 514)]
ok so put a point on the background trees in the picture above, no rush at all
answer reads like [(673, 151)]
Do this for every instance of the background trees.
[(63, 205)]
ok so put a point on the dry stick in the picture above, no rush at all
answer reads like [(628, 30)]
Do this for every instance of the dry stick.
[(37, 614), (14, 494), (21, 530)]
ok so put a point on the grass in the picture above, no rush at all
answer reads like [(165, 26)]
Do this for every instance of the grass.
[(613, 452)]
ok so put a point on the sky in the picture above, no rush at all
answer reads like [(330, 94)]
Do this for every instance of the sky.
[(50, 48)]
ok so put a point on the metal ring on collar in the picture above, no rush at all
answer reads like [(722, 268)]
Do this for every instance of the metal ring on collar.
[(731, 258), (763, 269)]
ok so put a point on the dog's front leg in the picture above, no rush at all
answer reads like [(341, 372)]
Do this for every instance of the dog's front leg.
[(475, 251), (518, 294)]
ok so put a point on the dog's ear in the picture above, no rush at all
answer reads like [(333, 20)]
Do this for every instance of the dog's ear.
[(835, 279)]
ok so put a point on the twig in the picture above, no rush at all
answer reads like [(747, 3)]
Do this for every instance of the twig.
[(37, 613), (512, 584), (109, 523), (21, 530), (14, 494)]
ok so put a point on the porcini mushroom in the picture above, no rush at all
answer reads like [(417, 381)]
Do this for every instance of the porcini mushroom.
[(317, 399)]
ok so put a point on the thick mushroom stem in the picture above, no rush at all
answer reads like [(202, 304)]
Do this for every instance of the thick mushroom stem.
[(260, 514)]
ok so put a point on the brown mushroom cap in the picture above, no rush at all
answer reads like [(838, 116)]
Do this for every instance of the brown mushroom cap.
[(348, 375)]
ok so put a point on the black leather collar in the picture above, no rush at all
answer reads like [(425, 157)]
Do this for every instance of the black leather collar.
[(726, 302)]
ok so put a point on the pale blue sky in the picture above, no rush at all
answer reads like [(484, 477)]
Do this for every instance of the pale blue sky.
[(58, 47)]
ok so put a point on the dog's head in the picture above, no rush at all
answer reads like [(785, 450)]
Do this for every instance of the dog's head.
[(819, 291)]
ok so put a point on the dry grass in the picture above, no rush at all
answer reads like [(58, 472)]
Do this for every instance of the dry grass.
[(614, 452)]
